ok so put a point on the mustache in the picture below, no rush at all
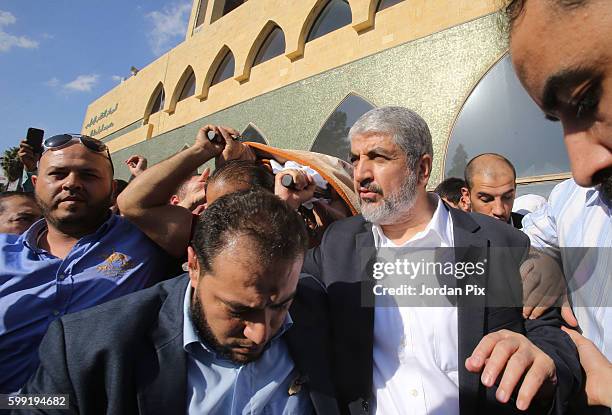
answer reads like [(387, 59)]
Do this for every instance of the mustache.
[(77, 195), (371, 187)]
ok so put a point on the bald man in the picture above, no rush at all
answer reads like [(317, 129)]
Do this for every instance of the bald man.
[(77, 256), (491, 187)]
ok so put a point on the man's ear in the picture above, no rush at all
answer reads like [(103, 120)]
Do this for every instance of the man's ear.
[(114, 187), (193, 266), (34, 180), (425, 169), (465, 198), (174, 200)]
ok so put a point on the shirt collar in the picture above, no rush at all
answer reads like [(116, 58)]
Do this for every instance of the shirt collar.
[(190, 336), (30, 237), (438, 225)]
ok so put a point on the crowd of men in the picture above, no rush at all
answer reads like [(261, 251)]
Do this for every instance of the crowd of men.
[(250, 290)]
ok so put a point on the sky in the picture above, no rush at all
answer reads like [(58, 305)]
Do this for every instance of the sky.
[(58, 56)]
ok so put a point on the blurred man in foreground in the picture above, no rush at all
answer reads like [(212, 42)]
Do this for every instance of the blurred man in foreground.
[(562, 54)]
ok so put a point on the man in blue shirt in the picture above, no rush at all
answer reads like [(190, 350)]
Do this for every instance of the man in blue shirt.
[(77, 256), (242, 333)]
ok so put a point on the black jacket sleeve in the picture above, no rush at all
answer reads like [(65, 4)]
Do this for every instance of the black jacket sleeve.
[(546, 334)]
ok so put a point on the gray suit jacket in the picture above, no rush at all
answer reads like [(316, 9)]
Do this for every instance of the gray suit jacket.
[(127, 357)]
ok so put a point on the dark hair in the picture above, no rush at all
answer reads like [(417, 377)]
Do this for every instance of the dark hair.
[(121, 185), (514, 8), (275, 229), (450, 189), (469, 169), (251, 172), (12, 193)]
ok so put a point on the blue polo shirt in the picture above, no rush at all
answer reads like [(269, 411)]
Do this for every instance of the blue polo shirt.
[(37, 287)]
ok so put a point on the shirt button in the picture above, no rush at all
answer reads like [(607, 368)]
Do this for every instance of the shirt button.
[(56, 313), (414, 392), (61, 277)]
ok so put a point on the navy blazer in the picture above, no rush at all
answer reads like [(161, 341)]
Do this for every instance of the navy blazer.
[(338, 263), (126, 356)]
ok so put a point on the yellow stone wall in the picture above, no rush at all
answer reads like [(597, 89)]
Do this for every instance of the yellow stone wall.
[(242, 31)]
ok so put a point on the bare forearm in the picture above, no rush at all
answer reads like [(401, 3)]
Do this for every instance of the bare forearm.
[(155, 186)]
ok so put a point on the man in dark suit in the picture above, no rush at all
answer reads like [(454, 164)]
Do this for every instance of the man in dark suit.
[(491, 187), (218, 341), (431, 360)]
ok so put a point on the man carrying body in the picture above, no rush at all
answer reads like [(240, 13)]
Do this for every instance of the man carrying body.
[(217, 341), (567, 69), (428, 359), (146, 199), (78, 256), (18, 211), (491, 187)]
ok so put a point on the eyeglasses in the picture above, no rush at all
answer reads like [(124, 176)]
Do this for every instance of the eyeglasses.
[(63, 140)]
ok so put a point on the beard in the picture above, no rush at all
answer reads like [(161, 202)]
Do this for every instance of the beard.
[(204, 332), (393, 206), (604, 178), (77, 222)]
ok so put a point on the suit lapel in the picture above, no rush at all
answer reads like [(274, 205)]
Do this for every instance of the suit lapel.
[(161, 371), (470, 246)]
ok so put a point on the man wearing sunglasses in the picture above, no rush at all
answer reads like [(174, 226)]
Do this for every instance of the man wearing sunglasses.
[(79, 255)]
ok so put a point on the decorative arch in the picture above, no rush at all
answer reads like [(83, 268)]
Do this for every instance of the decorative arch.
[(363, 18), (499, 117), (156, 102), (332, 138), (224, 52), (313, 15), (334, 15), (186, 78), (252, 133), (269, 28)]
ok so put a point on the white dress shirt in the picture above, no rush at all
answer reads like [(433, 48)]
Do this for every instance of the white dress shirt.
[(578, 217), (415, 349)]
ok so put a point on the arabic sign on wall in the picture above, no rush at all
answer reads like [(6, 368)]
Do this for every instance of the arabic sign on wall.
[(97, 129)]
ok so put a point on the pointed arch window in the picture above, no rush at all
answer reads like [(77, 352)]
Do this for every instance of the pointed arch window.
[(272, 46), (188, 87), (384, 4), (201, 13), (252, 133), (333, 136), (499, 117), (158, 103), (335, 14), (231, 5), (223, 7), (225, 69)]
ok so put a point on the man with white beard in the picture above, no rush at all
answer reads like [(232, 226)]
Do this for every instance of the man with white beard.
[(429, 360)]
